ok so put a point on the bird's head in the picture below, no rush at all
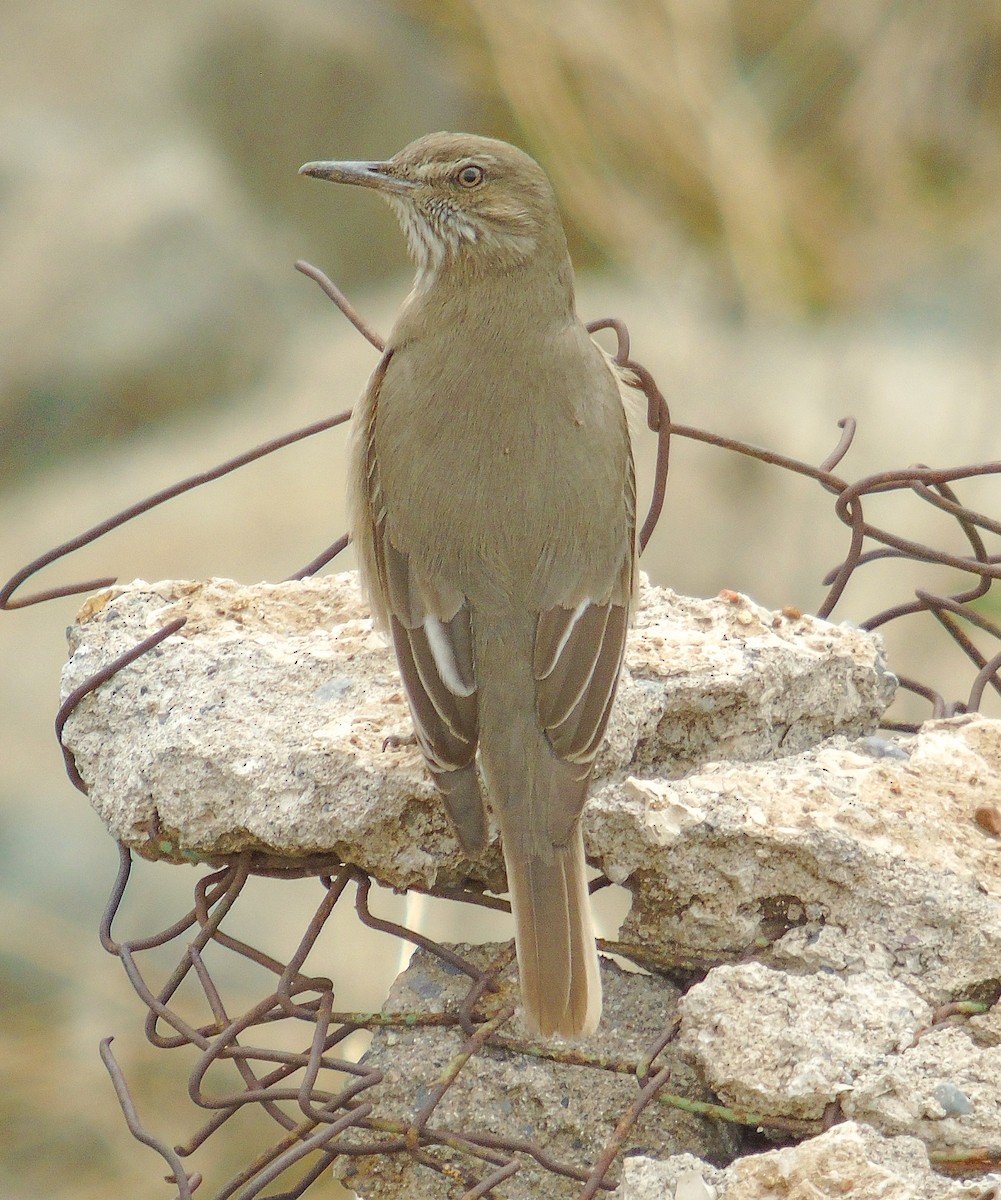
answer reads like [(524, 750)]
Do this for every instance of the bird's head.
[(462, 198)]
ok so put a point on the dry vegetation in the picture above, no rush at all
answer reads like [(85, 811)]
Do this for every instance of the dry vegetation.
[(821, 150)]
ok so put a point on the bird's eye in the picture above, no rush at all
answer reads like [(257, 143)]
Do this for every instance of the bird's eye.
[(470, 176)]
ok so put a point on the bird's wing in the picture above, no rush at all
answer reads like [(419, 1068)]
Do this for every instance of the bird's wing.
[(578, 654), (432, 635), (577, 660)]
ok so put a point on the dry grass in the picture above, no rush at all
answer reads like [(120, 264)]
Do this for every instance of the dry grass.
[(820, 151)]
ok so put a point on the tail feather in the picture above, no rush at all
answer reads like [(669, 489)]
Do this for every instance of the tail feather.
[(537, 799), (557, 958)]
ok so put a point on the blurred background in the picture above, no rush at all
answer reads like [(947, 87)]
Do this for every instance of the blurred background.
[(795, 205)]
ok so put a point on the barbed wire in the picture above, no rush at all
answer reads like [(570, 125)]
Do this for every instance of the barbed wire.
[(319, 1126)]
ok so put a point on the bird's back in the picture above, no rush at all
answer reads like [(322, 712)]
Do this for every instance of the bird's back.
[(540, 415)]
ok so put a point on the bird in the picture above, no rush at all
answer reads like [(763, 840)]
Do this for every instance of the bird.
[(492, 505)]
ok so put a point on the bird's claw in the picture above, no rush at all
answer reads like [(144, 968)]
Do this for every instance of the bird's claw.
[(396, 740)]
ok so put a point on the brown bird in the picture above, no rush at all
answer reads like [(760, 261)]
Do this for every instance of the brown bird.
[(493, 511)]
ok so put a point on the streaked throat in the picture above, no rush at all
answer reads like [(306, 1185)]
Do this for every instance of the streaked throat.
[(437, 231)]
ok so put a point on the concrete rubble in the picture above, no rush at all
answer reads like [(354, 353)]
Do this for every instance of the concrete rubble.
[(849, 1162), (817, 891), (261, 723), (569, 1109)]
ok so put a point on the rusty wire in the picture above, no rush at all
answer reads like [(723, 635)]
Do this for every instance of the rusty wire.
[(933, 486), (318, 1125), (329, 1124)]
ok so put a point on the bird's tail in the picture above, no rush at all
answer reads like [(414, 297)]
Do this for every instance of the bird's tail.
[(537, 799), (557, 959)]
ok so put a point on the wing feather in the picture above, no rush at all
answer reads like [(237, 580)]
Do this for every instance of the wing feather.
[(554, 628), (575, 700), (579, 649), (578, 736), (569, 678), (431, 629)]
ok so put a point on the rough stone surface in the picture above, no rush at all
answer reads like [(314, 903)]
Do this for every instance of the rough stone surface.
[(813, 1034), (849, 1162), (261, 723), (944, 1090), (788, 1045), (727, 679), (851, 876), (851, 856), (568, 1109)]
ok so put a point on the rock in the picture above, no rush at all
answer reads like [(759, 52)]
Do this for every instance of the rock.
[(854, 869), (831, 858), (943, 1090), (849, 1162), (566, 1107), (261, 723), (727, 679), (788, 1045)]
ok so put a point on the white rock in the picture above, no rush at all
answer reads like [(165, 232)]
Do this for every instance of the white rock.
[(849, 1162), (850, 865), (261, 723), (789, 1045), (830, 858), (944, 1090)]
